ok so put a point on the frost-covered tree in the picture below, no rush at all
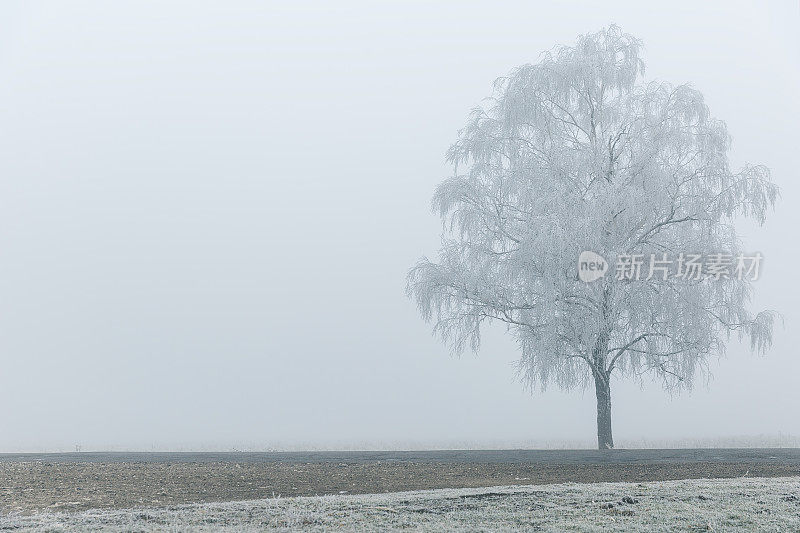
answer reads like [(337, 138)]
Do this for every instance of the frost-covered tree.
[(578, 153)]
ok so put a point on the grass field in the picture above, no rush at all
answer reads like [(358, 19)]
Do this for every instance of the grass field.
[(742, 504)]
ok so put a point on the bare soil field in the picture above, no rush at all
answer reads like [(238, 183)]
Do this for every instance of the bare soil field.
[(742, 504), (76, 482)]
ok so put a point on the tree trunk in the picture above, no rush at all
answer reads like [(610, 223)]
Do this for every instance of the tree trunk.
[(603, 389)]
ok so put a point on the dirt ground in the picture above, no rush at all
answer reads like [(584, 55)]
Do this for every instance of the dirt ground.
[(31, 486), (731, 505)]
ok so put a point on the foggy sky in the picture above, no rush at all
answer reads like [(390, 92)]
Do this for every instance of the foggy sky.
[(207, 212)]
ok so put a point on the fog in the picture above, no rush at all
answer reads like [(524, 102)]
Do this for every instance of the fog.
[(207, 212)]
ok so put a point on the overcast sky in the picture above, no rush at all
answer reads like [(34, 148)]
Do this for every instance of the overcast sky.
[(207, 211)]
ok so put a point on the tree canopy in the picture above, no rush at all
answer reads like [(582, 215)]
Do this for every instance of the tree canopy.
[(578, 152)]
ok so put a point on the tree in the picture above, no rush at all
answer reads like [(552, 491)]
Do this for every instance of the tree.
[(577, 153)]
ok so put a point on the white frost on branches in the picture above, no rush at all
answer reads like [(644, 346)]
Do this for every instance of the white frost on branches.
[(578, 153)]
